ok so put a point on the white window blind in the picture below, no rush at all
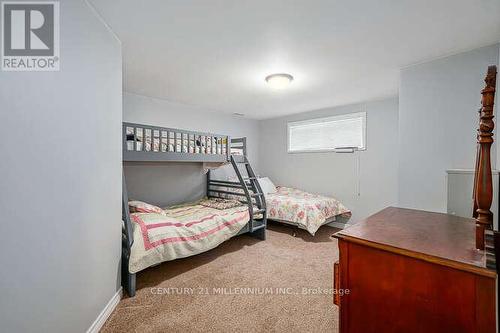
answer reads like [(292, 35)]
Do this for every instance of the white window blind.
[(326, 134)]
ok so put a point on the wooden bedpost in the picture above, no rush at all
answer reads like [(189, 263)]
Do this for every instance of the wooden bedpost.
[(483, 183)]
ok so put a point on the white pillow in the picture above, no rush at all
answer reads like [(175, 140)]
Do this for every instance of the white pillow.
[(267, 185)]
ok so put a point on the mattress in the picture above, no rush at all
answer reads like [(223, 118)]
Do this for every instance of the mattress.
[(183, 231), (306, 210)]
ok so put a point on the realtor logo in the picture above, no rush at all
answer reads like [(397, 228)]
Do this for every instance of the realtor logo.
[(30, 38)]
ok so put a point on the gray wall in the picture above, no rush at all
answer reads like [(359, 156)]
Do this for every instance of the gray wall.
[(337, 174), (61, 182), (438, 118), (165, 184), (174, 183)]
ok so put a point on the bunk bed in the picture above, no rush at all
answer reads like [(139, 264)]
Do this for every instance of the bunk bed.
[(151, 235)]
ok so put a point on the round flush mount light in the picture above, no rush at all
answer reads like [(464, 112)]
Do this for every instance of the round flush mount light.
[(279, 81)]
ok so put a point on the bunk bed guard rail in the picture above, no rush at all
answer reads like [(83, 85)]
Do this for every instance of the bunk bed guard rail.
[(153, 143)]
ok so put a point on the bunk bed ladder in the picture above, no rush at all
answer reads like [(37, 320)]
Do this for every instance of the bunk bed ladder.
[(254, 194)]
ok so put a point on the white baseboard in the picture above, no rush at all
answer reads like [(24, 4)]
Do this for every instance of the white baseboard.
[(106, 312)]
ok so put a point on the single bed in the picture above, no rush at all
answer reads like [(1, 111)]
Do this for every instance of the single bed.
[(182, 231), (293, 206), (296, 207), (306, 210)]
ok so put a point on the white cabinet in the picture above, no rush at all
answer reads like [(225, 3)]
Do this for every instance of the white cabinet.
[(460, 193)]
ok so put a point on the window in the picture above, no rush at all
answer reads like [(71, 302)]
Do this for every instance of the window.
[(327, 134)]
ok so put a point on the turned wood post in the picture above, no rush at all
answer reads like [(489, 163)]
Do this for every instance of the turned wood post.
[(484, 184)]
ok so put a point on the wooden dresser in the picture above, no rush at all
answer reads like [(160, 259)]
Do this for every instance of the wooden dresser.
[(413, 271)]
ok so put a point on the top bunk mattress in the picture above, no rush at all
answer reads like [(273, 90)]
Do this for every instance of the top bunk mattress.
[(181, 231)]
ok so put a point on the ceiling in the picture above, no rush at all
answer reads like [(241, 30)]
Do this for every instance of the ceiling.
[(215, 54)]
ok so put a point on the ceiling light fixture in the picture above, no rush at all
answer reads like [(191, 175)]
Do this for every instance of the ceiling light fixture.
[(279, 81)]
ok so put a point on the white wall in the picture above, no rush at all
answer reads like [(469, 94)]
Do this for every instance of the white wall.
[(438, 118), (185, 181), (61, 182), (336, 174)]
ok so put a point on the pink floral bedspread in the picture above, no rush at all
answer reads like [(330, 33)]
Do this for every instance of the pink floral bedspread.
[(309, 211)]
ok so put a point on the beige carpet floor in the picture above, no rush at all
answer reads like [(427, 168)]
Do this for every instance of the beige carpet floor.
[(206, 290)]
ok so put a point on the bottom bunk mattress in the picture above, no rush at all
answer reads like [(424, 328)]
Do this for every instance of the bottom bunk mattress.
[(181, 231), (306, 210)]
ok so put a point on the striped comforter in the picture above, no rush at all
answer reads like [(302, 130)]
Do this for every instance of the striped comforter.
[(186, 230)]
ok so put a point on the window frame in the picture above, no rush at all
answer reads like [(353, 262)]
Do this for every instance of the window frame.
[(343, 116)]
